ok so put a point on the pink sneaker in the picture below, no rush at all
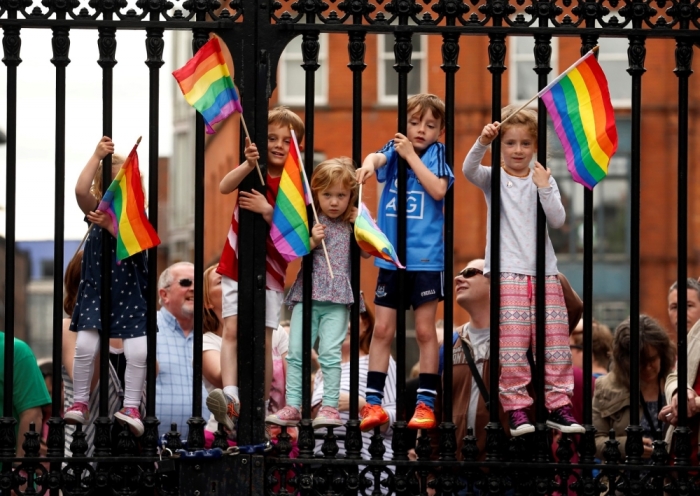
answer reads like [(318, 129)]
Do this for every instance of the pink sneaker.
[(131, 416), (327, 417), (77, 414), (287, 416)]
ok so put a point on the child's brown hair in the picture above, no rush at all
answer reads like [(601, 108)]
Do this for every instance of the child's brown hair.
[(329, 172), (526, 117), (422, 102), (96, 188), (283, 116), (71, 281)]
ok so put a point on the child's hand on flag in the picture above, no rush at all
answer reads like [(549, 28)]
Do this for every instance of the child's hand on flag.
[(252, 155), (489, 133), (103, 220), (318, 234)]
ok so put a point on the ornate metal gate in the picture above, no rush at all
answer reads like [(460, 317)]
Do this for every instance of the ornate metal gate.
[(256, 32)]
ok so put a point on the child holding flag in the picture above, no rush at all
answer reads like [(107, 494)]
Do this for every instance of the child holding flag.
[(334, 191), (520, 188), (224, 403), (429, 177), (129, 279)]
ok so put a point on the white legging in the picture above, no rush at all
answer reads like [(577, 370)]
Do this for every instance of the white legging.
[(86, 347)]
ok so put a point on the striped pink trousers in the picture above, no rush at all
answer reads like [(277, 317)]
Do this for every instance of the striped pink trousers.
[(517, 334)]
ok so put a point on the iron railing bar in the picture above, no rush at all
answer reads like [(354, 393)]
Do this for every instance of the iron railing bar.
[(403, 47), (496, 67), (11, 45), (154, 51), (310, 41), (107, 44), (195, 436), (356, 50)]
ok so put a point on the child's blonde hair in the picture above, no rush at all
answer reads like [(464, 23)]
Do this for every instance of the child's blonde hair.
[(210, 321), (283, 116), (336, 170), (526, 117), (96, 188), (420, 103)]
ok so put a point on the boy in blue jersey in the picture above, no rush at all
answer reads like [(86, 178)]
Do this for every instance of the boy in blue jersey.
[(428, 178)]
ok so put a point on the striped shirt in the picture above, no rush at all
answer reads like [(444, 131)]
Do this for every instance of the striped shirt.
[(389, 404), (275, 265), (114, 403)]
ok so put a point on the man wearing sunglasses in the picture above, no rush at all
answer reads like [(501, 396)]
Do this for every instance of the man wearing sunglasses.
[(174, 348), (470, 382)]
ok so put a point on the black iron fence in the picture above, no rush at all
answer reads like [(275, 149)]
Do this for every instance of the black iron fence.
[(256, 32)]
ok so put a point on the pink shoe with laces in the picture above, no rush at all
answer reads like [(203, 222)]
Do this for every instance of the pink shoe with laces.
[(131, 416), (77, 414), (327, 417), (287, 416)]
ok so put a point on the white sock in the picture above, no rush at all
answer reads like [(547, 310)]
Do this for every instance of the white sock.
[(231, 391)]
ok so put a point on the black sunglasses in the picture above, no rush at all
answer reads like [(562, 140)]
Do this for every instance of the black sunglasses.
[(185, 283), (471, 272)]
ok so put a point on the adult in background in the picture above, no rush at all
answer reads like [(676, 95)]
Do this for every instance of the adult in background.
[(670, 412), (29, 392), (611, 402), (693, 306), (175, 347), (601, 346)]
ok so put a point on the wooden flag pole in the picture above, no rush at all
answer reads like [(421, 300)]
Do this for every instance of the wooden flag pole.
[(313, 207), (247, 135)]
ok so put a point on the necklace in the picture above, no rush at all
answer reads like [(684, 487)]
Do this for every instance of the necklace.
[(509, 184)]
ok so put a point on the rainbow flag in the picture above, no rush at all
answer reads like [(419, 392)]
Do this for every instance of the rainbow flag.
[(372, 240), (290, 224), (125, 204), (207, 85), (578, 102)]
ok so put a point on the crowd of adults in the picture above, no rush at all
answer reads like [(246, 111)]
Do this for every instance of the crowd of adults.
[(471, 381)]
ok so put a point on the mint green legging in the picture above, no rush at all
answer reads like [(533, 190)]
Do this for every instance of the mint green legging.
[(332, 320)]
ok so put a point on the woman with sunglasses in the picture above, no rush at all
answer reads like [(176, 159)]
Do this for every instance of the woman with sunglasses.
[(611, 402)]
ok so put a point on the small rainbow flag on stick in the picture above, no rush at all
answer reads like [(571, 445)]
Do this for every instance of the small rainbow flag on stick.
[(372, 240), (290, 224), (207, 85), (125, 204), (578, 102)]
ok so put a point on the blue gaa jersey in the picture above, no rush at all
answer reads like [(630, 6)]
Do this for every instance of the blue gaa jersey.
[(425, 218)]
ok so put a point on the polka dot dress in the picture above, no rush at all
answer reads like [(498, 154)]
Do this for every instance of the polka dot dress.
[(129, 280)]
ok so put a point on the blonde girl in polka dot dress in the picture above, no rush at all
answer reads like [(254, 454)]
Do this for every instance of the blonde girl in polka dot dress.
[(128, 302)]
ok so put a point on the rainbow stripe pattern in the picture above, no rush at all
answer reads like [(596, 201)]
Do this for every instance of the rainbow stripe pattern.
[(290, 224), (578, 101), (125, 204), (207, 85), (372, 240)]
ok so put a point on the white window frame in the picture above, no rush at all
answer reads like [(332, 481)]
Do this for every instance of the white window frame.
[(382, 97), (285, 98), (515, 58), (609, 56)]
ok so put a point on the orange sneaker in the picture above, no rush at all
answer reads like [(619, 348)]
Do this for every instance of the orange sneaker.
[(423, 418), (372, 416)]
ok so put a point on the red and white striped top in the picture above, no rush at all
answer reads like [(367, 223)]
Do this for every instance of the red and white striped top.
[(275, 265)]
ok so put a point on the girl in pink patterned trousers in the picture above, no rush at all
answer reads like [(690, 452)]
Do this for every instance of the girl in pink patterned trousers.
[(520, 188)]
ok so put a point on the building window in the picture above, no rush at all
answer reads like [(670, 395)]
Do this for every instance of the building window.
[(387, 78), (522, 77), (613, 59), (292, 76)]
